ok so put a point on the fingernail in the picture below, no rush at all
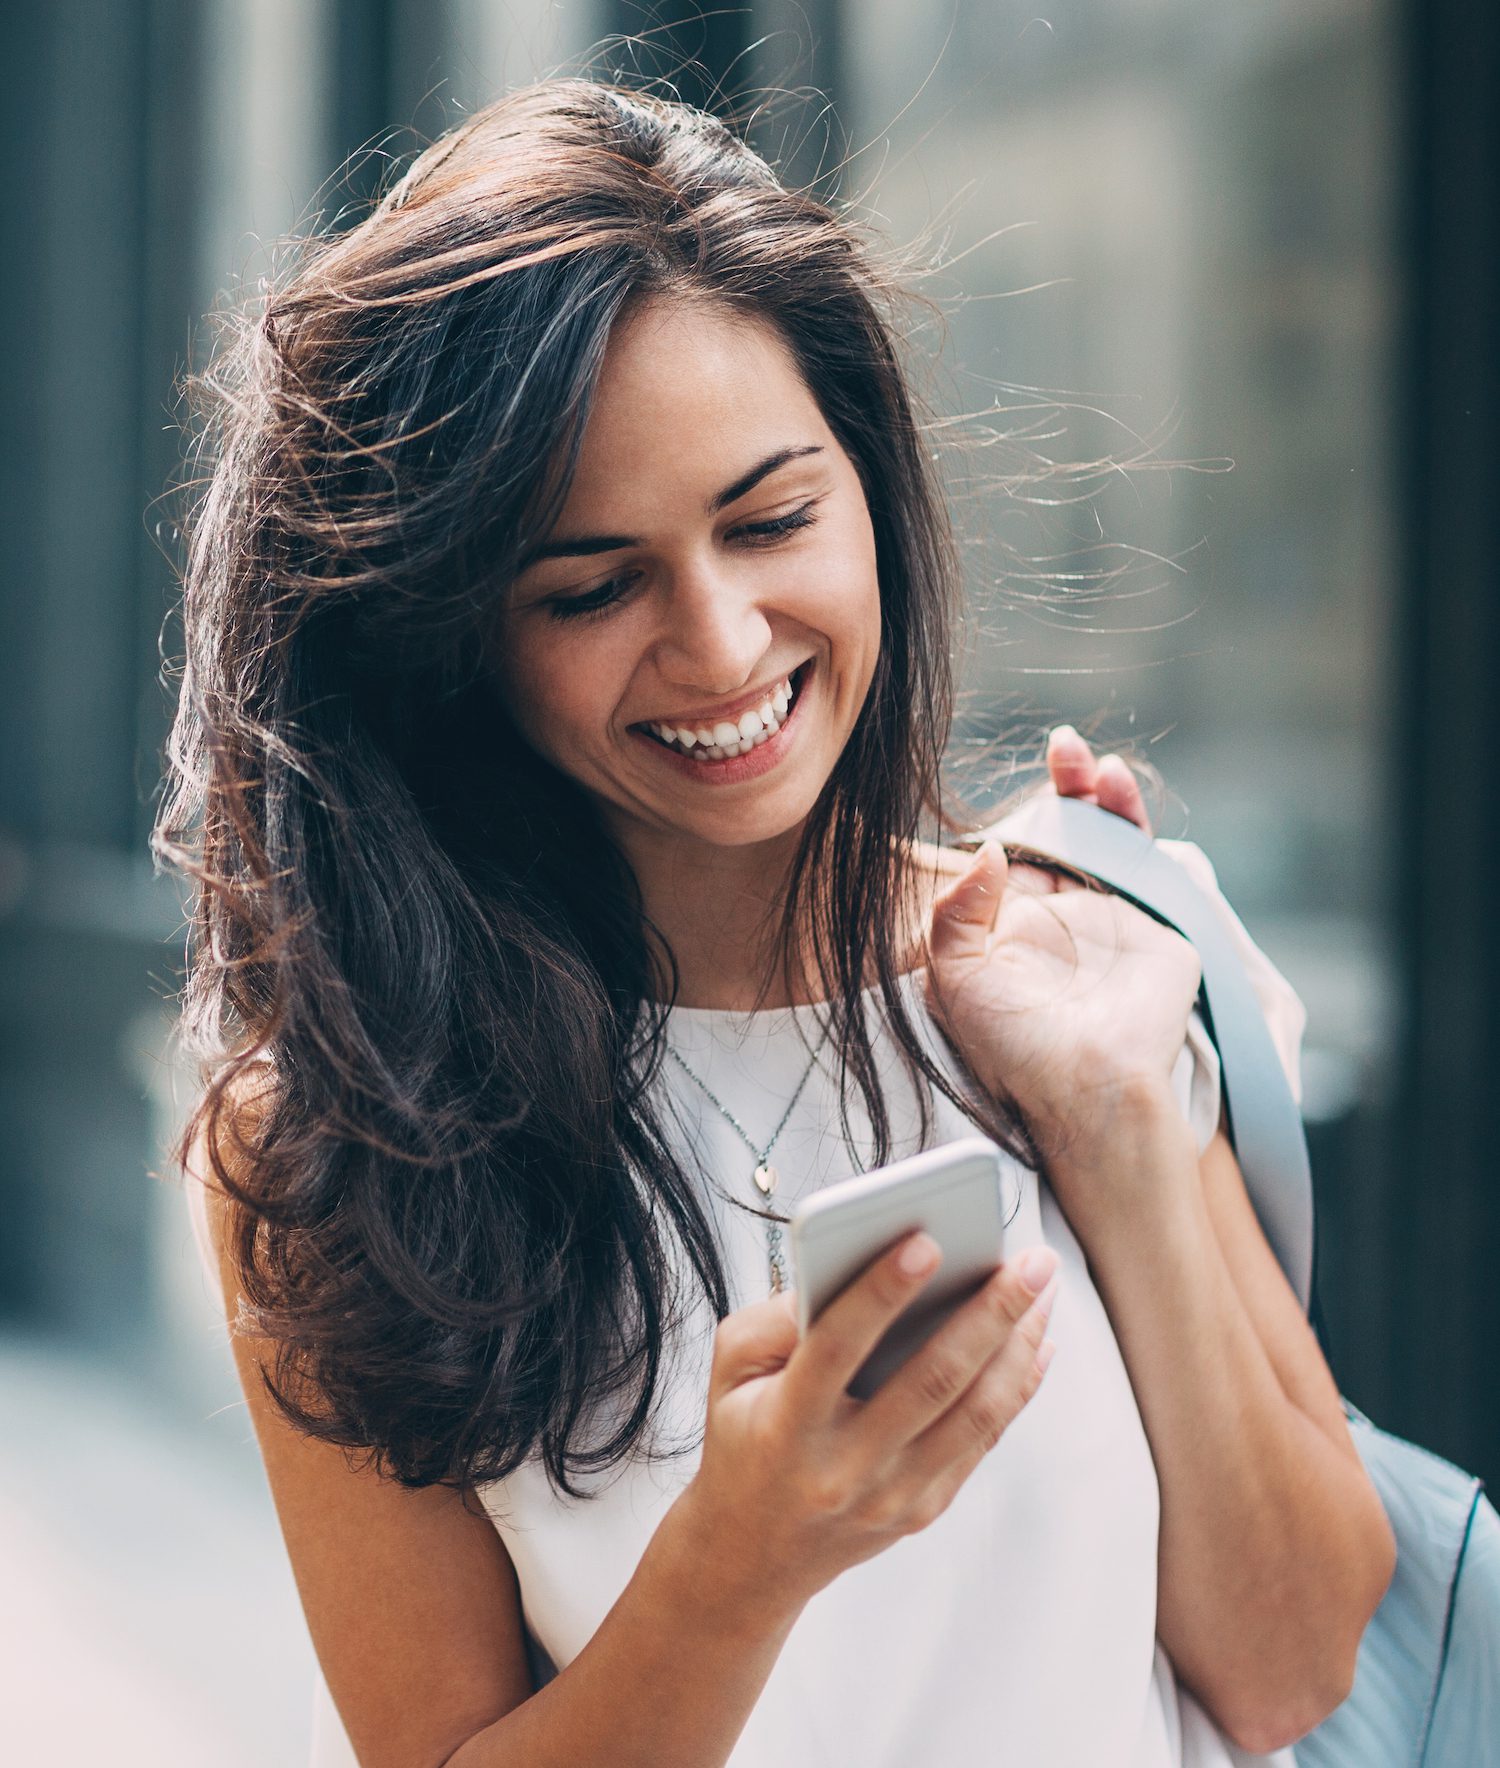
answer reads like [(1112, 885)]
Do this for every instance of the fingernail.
[(1045, 1355), (1036, 1265), (1060, 730), (918, 1255)]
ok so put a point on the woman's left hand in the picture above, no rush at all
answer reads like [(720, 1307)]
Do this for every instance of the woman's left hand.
[(1063, 1000)]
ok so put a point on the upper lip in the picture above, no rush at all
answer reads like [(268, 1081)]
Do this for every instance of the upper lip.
[(728, 711)]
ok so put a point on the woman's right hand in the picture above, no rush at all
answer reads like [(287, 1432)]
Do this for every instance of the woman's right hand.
[(799, 1480)]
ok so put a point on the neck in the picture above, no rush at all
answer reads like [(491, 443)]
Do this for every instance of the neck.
[(720, 911)]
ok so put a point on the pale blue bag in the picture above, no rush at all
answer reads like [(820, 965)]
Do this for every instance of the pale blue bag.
[(1427, 1685)]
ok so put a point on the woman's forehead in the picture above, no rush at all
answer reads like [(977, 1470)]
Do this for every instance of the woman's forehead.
[(688, 393)]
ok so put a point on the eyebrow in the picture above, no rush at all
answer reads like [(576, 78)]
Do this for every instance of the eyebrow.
[(584, 546)]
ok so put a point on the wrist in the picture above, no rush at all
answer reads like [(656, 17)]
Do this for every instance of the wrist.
[(1127, 1164), (720, 1578), (1108, 1112)]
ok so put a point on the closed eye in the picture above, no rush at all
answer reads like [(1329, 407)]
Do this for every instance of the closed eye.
[(592, 601), (613, 591), (801, 517)]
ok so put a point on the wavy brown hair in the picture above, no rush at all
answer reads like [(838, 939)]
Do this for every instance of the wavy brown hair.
[(416, 952)]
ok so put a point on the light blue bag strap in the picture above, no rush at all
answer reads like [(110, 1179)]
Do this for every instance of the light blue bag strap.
[(1263, 1116)]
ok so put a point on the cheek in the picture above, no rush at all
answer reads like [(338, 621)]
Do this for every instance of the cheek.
[(849, 590), (558, 693)]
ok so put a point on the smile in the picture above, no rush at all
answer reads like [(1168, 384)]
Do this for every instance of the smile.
[(726, 739)]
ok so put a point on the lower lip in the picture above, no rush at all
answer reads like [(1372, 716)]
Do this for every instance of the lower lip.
[(759, 761)]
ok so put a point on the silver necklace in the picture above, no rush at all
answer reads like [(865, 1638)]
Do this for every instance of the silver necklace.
[(764, 1177)]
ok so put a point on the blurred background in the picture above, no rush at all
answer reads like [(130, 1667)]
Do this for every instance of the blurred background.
[(1256, 237)]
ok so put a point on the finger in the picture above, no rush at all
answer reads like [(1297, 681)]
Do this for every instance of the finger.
[(944, 1456), (853, 1323), (1071, 764), (757, 1339), (1120, 792), (963, 917), (935, 1377)]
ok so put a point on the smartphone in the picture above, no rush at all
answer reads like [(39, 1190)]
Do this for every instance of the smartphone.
[(953, 1192)]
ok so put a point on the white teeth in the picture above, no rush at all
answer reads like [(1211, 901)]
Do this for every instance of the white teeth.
[(728, 738)]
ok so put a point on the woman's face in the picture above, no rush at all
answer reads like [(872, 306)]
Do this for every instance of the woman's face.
[(695, 640)]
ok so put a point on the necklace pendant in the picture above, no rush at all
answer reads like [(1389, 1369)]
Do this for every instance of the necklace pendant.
[(765, 1179)]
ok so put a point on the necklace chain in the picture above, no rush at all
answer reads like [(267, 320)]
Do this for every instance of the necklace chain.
[(764, 1177)]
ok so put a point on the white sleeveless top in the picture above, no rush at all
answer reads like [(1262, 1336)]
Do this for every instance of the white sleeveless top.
[(1018, 1627)]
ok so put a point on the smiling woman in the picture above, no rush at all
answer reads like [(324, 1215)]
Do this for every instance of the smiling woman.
[(568, 613), (741, 584)]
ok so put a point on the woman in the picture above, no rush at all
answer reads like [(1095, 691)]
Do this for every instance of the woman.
[(568, 623)]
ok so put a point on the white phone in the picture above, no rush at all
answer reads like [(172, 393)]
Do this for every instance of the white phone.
[(953, 1192)]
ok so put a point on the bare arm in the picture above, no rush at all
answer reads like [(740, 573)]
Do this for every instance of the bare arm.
[(413, 1606), (412, 1601), (668, 1679), (1274, 1548)]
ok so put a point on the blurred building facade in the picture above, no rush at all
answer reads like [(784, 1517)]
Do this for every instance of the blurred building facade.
[(1167, 233)]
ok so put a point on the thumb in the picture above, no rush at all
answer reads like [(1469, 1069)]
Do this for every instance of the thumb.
[(757, 1339), (963, 917)]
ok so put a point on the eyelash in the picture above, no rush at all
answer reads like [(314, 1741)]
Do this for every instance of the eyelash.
[(607, 595)]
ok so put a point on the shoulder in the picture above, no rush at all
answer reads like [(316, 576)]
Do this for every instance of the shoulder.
[(411, 1598), (1285, 1014), (1286, 1017)]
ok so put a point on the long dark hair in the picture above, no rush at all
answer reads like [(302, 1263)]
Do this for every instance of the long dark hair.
[(428, 1004)]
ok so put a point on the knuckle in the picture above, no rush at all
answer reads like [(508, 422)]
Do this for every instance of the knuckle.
[(886, 1512), (988, 1417), (825, 1491), (1010, 1300), (939, 1379), (924, 1511)]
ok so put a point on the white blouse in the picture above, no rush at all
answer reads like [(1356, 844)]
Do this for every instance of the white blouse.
[(1020, 1627)]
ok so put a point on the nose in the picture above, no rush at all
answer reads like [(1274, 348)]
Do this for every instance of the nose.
[(715, 631)]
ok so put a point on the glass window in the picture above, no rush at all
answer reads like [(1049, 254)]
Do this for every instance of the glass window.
[(1167, 232)]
